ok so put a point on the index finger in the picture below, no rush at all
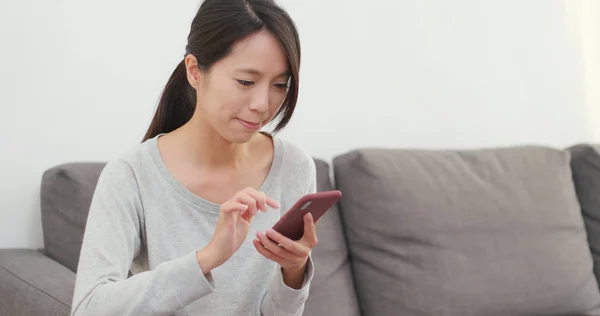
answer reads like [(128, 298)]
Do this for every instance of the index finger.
[(285, 242), (272, 202), (263, 198)]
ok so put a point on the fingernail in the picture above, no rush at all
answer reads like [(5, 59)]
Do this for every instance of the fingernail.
[(270, 230)]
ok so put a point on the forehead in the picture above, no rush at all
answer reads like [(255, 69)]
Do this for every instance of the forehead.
[(260, 51)]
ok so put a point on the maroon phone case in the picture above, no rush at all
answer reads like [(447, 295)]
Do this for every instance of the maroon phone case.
[(291, 224)]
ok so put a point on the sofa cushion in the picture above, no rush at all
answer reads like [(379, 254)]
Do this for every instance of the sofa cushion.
[(66, 194), (33, 284), (466, 232), (332, 290), (585, 163)]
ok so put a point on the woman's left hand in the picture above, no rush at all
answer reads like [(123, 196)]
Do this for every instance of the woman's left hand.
[(291, 255)]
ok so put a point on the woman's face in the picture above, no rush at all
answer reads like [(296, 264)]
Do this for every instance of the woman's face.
[(243, 91)]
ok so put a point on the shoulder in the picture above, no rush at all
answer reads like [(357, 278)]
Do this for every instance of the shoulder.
[(124, 169), (298, 166), (294, 156), (118, 190)]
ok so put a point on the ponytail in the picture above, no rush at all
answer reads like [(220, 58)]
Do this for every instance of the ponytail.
[(176, 105)]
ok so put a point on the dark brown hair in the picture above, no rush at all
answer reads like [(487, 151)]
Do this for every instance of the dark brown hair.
[(218, 25)]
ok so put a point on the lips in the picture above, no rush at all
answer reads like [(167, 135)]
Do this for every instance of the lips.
[(249, 125)]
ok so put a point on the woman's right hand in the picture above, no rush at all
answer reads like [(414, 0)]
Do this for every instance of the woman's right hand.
[(232, 227)]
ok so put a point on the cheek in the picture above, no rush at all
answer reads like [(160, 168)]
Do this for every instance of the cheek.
[(229, 100), (275, 102)]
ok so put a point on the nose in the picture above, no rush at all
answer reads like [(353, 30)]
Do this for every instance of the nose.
[(260, 100)]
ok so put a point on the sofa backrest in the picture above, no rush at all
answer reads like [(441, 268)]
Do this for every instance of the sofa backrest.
[(66, 194), (466, 232), (400, 208), (585, 164)]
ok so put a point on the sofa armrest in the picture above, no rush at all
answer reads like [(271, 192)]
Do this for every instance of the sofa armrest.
[(33, 284)]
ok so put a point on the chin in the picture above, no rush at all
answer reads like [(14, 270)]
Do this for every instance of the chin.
[(240, 138)]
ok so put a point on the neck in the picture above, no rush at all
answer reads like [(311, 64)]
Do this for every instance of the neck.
[(203, 146)]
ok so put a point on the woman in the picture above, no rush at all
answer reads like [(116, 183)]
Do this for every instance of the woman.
[(180, 225)]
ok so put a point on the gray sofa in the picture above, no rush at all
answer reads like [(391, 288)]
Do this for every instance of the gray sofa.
[(504, 231)]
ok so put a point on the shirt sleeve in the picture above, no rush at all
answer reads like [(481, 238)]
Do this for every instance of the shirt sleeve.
[(280, 299), (111, 241)]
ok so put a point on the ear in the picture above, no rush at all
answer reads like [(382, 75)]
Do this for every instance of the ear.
[(194, 74)]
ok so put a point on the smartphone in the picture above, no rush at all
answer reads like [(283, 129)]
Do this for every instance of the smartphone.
[(291, 224)]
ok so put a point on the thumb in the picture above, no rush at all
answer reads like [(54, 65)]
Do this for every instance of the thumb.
[(310, 234), (246, 215)]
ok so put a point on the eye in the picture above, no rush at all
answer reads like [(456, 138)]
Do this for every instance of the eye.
[(282, 86), (245, 83)]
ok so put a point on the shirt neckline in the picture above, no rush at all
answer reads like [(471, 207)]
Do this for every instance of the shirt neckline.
[(191, 197)]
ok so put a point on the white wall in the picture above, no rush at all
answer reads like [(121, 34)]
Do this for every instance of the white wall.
[(587, 15), (441, 74), (79, 80)]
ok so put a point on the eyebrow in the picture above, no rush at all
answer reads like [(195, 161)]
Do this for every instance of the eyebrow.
[(256, 72)]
